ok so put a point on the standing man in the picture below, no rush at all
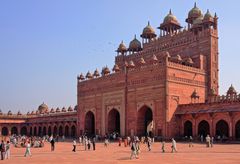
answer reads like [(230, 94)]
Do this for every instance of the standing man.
[(74, 145), (93, 142), (174, 145), (149, 143), (190, 141), (28, 152), (211, 142), (133, 150), (52, 144), (208, 140), (2, 147), (7, 154), (163, 146)]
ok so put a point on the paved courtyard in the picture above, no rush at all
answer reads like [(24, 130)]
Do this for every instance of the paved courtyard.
[(225, 154)]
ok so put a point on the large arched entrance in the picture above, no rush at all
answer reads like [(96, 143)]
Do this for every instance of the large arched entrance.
[(89, 123), (66, 131), (237, 130), (60, 131), (114, 121), (203, 128), (14, 130), (73, 131), (222, 128), (188, 128), (5, 131), (24, 130), (144, 121)]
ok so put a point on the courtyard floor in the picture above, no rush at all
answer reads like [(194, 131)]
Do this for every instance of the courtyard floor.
[(225, 154)]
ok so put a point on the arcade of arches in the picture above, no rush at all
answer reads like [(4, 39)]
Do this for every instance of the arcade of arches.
[(204, 127), (67, 129)]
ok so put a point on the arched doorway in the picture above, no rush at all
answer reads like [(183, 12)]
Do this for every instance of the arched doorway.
[(203, 128), (237, 130), (44, 130), (60, 131), (114, 121), (89, 123), (188, 128), (49, 131), (73, 131), (55, 131), (39, 131), (31, 131), (14, 130), (144, 121), (24, 130), (222, 128), (35, 131), (66, 131), (5, 131)]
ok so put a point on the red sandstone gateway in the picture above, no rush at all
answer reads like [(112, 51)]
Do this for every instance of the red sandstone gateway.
[(163, 86)]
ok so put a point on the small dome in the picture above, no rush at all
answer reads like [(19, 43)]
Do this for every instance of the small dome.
[(135, 45), (1, 112), (28, 113), (177, 58), (9, 112), (43, 108), (33, 112), (231, 90), (122, 48), (148, 32), (64, 109), (194, 94), (208, 16), (167, 55), (198, 21), (58, 110), (19, 113), (96, 73), (189, 61), (142, 61), (75, 108), (170, 18), (195, 12), (105, 71), (89, 75), (52, 111), (154, 58), (70, 109), (81, 77), (131, 64), (116, 68)]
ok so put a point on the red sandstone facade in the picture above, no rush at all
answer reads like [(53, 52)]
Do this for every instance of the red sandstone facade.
[(166, 85)]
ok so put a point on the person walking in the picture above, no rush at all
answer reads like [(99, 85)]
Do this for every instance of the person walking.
[(211, 142), (149, 144), (208, 140), (163, 146), (2, 148), (190, 141), (174, 145), (85, 143), (80, 140), (94, 143), (28, 152), (52, 144), (133, 150), (74, 145), (7, 154)]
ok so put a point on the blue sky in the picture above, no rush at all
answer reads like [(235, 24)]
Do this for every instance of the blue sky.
[(45, 44)]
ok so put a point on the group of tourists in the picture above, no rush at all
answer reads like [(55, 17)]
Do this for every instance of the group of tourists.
[(5, 150)]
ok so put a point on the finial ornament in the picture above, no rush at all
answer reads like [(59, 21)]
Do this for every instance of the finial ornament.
[(195, 4), (170, 11)]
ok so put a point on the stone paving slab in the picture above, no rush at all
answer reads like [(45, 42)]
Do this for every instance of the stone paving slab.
[(219, 154)]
